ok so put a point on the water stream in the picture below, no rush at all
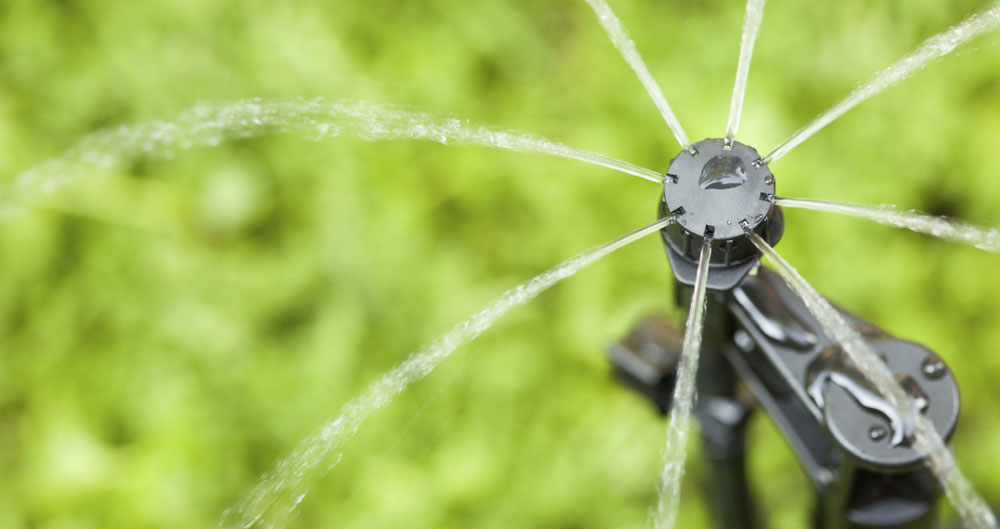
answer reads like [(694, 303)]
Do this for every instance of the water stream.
[(679, 425), (619, 36), (971, 508), (932, 48), (272, 502), (942, 227), (209, 124), (751, 28)]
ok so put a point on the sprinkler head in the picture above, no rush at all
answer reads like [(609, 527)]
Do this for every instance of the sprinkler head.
[(716, 189)]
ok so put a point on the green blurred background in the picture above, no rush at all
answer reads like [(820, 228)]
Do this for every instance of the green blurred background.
[(171, 328)]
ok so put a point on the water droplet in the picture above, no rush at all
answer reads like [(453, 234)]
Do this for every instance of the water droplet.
[(723, 172), (877, 432)]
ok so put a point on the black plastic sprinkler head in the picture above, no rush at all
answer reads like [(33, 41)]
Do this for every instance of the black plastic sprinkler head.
[(716, 190)]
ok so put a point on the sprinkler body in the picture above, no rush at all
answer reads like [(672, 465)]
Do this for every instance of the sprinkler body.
[(854, 448), (713, 189), (760, 339)]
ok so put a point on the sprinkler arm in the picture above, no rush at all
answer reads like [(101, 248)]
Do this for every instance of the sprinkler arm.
[(852, 444)]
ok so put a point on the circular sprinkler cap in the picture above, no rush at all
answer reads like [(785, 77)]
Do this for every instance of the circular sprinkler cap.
[(714, 189)]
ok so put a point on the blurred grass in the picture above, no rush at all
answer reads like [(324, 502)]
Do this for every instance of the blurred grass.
[(170, 330)]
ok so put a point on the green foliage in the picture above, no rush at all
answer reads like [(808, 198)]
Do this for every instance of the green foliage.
[(170, 329)]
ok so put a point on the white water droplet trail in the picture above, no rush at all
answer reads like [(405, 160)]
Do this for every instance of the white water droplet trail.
[(941, 227), (626, 47), (286, 482), (932, 48), (210, 124), (679, 423), (751, 29)]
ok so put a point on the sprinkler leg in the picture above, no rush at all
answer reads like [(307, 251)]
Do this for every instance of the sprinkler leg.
[(723, 417)]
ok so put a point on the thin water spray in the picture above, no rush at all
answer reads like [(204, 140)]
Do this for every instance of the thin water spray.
[(209, 124), (619, 37), (942, 227), (932, 48), (272, 502), (679, 425), (971, 508), (751, 28)]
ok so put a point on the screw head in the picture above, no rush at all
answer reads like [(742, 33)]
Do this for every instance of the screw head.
[(933, 368), (743, 341), (877, 432)]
